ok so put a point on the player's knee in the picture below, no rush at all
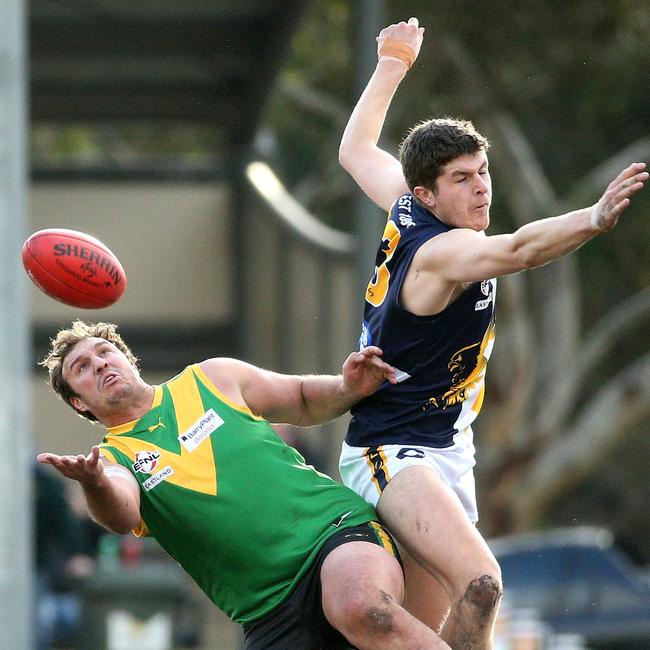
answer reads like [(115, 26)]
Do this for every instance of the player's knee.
[(372, 615), (484, 594)]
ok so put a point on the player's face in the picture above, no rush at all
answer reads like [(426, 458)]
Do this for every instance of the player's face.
[(463, 193), (101, 375)]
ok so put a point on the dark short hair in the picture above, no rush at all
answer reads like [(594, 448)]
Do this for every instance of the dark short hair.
[(62, 344), (430, 145)]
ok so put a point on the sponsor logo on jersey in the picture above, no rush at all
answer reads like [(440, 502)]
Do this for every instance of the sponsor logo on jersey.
[(200, 430), (410, 452), (146, 461), (339, 520), (158, 478), (404, 204), (160, 423), (486, 290)]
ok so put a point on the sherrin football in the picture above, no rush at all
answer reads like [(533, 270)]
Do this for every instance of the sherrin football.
[(74, 268)]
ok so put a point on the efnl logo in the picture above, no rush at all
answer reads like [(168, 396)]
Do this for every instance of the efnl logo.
[(200, 430), (146, 461)]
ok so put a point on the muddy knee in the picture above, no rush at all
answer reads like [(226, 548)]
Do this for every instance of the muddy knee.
[(484, 594), (374, 616)]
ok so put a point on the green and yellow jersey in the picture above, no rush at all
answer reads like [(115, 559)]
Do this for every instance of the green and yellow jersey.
[(234, 505)]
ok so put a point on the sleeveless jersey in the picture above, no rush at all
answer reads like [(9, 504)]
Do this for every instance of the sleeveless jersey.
[(442, 358), (234, 505)]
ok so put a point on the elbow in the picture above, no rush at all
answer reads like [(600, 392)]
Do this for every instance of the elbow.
[(120, 529), (525, 256), (125, 525), (526, 259), (345, 156), (120, 526), (352, 153)]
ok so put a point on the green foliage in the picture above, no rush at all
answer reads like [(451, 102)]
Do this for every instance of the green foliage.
[(574, 75)]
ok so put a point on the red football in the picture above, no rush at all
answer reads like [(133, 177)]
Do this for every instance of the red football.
[(74, 268)]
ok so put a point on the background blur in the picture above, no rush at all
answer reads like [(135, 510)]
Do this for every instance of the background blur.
[(182, 135)]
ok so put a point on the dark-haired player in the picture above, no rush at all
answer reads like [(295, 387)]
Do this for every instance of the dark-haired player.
[(430, 307)]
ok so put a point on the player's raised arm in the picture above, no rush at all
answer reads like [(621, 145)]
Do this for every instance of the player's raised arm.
[(377, 172)]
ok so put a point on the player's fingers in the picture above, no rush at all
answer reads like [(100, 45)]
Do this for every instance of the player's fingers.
[(626, 189), (93, 456), (630, 171), (619, 207), (382, 366), (413, 21)]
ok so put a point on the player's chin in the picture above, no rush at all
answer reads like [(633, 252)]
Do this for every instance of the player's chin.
[(479, 225), (481, 219)]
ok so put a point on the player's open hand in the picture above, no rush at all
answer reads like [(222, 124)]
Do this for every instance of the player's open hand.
[(401, 41), (365, 371), (605, 214), (88, 470)]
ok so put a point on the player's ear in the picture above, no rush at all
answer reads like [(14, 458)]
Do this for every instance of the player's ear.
[(79, 404), (425, 196)]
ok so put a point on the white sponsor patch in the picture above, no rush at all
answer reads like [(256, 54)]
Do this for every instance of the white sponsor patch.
[(200, 430), (482, 304), (158, 477)]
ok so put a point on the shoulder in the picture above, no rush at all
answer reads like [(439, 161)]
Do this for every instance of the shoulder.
[(438, 250), (229, 376)]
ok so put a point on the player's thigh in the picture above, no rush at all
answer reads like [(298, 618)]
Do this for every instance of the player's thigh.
[(427, 518), (424, 597), (357, 575)]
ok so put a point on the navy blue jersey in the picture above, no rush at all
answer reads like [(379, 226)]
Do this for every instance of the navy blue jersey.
[(442, 359)]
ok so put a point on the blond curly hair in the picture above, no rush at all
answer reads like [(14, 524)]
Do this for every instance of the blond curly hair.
[(62, 344)]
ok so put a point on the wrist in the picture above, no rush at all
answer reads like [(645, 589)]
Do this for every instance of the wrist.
[(595, 221), (94, 484), (397, 50), (394, 61)]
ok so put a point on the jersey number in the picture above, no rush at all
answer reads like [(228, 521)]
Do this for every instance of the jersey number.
[(378, 286)]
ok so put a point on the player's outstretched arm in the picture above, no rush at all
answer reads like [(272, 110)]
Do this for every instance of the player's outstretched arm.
[(113, 501), (463, 255), (378, 173), (302, 400)]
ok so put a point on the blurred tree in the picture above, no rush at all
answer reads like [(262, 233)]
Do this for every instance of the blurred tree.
[(562, 91)]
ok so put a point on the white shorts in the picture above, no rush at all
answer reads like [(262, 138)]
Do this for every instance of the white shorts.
[(367, 470)]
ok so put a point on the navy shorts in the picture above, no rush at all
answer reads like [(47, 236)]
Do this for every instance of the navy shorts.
[(299, 622)]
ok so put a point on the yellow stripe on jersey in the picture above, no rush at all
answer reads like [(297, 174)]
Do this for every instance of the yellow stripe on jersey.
[(189, 408), (215, 391), (195, 470), (107, 454), (376, 459), (384, 538), (128, 426)]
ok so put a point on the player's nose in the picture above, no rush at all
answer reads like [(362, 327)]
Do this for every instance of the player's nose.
[(100, 364), (481, 183)]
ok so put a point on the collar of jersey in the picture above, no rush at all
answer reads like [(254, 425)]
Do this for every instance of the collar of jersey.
[(127, 427)]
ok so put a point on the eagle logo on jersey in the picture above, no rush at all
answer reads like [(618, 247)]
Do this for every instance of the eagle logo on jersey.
[(464, 367), (467, 369)]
